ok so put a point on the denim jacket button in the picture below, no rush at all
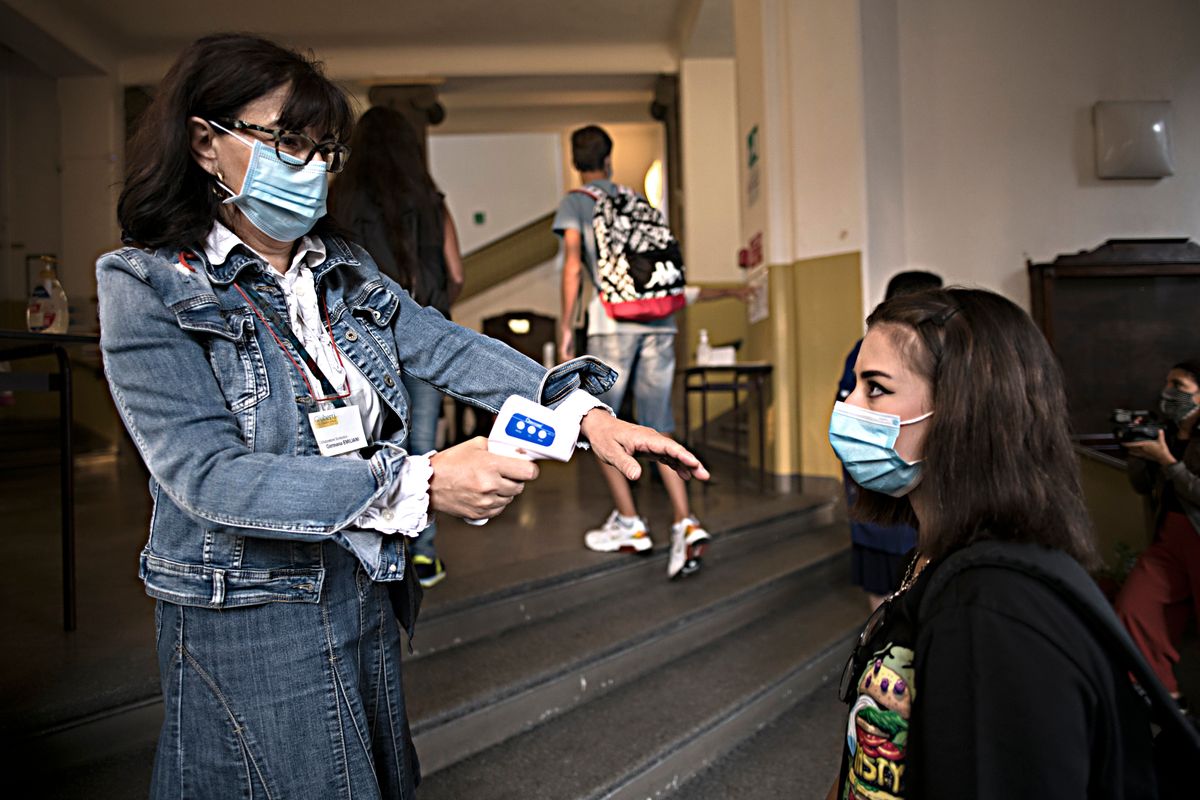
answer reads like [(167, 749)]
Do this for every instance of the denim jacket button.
[(351, 336), (388, 382), (392, 568)]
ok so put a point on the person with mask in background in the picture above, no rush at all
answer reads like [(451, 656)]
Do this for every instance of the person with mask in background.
[(256, 359), (1162, 591), (878, 551), (387, 200)]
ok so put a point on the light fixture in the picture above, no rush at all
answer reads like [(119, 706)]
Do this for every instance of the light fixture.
[(654, 183), (1133, 139), (519, 326)]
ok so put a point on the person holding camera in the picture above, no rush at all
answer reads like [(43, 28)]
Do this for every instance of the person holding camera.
[(1163, 589)]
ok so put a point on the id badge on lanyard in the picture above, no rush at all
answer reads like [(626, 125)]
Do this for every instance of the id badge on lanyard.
[(338, 429)]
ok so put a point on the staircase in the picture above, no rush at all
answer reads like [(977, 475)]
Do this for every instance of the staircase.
[(615, 683)]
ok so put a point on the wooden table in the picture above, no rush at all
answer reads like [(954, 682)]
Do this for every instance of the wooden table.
[(19, 345), (735, 378)]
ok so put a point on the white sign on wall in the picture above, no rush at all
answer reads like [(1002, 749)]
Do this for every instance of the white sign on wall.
[(758, 308)]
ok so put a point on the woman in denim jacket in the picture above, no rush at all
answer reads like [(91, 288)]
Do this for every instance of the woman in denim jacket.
[(256, 359)]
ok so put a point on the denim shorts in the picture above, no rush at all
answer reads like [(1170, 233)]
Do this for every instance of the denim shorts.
[(286, 700), (646, 359)]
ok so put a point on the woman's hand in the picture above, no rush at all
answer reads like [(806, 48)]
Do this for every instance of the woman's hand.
[(471, 483), (1152, 450), (616, 443)]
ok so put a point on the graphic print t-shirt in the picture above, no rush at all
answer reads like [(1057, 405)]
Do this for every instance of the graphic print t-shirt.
[(999, 652), (877, 728)]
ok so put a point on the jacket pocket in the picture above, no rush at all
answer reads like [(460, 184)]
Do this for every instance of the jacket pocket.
[(375, 309), (234, 352), (376, 305)]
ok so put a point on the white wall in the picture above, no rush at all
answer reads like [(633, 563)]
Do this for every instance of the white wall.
[(535, 289), (513, 178), (996, 140)]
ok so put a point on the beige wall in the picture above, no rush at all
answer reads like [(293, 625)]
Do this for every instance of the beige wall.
[(799, 83), (708, 125), (30, 220), (635, 147)]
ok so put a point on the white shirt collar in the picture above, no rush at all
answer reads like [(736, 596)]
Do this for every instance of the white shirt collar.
[(220, 241)]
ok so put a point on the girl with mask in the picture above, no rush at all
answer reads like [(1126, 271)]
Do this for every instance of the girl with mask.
[(257, 360), (388, 201), (984, 683), (1162, 591)]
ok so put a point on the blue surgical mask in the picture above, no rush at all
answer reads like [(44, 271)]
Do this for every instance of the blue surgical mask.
[(281, 200), (865, 441)]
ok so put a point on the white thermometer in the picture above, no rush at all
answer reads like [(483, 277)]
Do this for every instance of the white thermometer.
[(527, 430)]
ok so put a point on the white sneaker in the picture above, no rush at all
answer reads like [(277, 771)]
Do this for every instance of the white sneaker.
[(616, 536), (688, 543)]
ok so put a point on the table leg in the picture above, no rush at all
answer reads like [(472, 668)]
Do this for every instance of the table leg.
[(67, 479), (737, 427), (762, 434)]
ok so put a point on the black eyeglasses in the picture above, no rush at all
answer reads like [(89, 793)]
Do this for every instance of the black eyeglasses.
[(861, 656), (295, 148)]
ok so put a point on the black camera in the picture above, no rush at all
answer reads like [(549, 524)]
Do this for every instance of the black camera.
[(1135, 425)]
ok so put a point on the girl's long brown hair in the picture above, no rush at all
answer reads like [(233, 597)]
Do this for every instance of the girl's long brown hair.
[(999, 460)]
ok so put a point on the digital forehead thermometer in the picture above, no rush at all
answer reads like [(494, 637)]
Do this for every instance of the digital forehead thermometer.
[(527, 430)]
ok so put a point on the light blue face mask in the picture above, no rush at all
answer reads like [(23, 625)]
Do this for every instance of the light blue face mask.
[(281, 200), (865, 441)]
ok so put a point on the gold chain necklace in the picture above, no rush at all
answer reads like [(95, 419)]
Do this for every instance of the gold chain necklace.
[(915, 567)]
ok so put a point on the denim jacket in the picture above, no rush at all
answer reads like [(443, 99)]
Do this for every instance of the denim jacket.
[(242, 499)]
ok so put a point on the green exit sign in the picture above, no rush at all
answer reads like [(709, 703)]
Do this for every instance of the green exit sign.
[(480, 217)]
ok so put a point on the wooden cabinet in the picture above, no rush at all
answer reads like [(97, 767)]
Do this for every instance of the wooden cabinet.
[(1118, 317)]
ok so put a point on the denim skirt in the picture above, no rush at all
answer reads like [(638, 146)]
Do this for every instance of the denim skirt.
[(286, 700)]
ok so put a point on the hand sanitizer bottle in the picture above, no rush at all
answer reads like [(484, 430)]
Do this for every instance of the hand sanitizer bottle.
[(47, 311), (704, 349)]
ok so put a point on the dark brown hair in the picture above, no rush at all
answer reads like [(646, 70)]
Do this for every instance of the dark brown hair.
[(998, 457), (389, 172), (1191, 367), (590, 145), (168, 200)]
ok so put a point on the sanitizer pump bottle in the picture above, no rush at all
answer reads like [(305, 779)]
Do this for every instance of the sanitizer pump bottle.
[(47, 311), (703, 349)]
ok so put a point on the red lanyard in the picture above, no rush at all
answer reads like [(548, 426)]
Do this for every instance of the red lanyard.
[(308, 359)]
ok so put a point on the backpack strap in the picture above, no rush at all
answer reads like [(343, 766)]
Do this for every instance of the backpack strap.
[(1064, 575), (593, 192)]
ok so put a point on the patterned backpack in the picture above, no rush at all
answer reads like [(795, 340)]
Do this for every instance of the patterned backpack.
[(640, 273)]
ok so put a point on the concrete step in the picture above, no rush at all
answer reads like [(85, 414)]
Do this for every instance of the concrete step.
[(541, 588), (797, 755), (466, 698), (648, 733)]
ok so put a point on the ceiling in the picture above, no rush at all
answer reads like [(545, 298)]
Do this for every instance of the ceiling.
[(513, 58), (395, 23)]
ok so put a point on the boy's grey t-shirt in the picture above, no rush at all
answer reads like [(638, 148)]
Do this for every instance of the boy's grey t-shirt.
[(575, 212)]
